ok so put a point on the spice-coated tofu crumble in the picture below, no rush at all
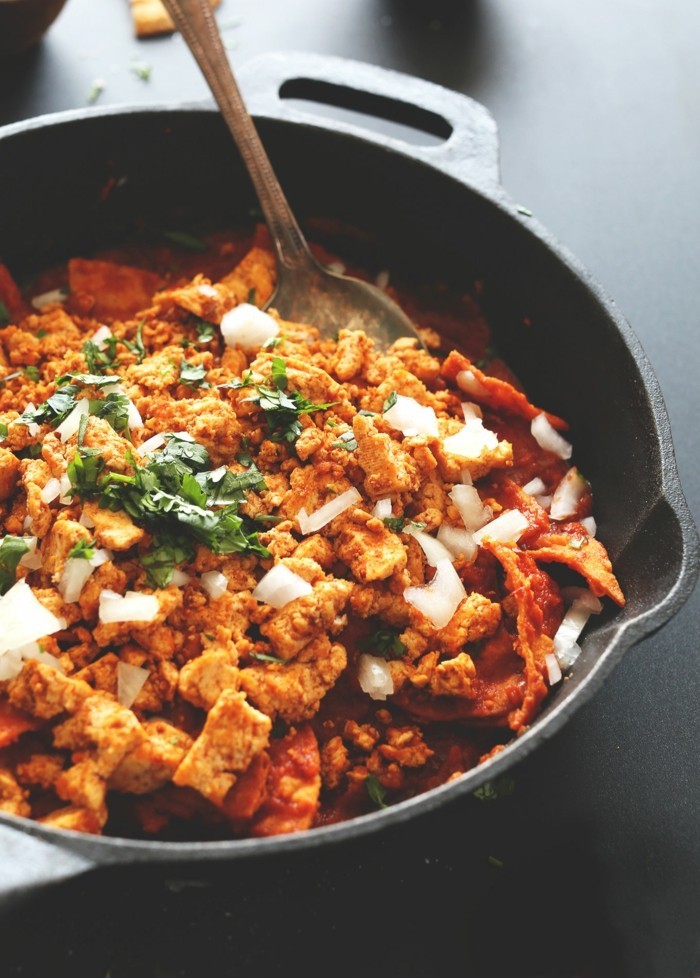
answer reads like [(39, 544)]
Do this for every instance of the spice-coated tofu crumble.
[(253, 581)]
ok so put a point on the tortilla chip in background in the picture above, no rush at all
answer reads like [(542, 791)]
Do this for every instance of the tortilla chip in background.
[(150, 17)]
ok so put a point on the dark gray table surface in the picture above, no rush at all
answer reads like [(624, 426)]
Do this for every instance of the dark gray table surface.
[(592, 867)]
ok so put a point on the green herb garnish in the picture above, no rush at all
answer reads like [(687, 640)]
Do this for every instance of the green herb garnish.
[(136, 345), (100, 359), (12, 549), (347, 441), (186, 240), (375, 790), (83, 550), (399, 523), (206, 331), (192, 374), (383, 642), (389, 402), (5, 316)]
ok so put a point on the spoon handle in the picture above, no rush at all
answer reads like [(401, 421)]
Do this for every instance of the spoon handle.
[(196, 22)]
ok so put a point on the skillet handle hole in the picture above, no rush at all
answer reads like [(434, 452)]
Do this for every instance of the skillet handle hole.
[(392, 117)]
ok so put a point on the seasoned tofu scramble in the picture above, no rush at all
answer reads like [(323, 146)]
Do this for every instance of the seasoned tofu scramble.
[(253, 582)]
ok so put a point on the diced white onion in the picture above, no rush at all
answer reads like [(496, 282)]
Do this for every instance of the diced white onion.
[(214, 583), (10, 664), (467, 382), (248, 327), (69, 426), (45, 298), (51, 491), (311, 522), (458, 541), (100, 337), (280, 586), (412, 418), (471, 440), (75, 573), (100, 556), (508, 527), (337, 266), (34, 651), (208, 291), (434, 550), (473, 512), (471, 410), (374, 676), (553, 668), (65, 498), (382, 279), (86, 521), (24, 618), (382, 509), (32, 559), (133, 606), (32, 427), (439, 599), (180, 578), (133, 417), (535, 487), (466, 477), (572, 624), (589, 525), (548, 437), (544, 501), (130, 682), (151, 444), (584, 596), (566, 657), (567, 495)]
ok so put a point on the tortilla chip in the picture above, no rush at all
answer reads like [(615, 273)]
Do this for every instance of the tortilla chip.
[(497, 394), (571, 545), (150, 17)]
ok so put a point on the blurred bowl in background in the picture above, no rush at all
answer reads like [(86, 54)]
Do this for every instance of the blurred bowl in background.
[(24, 22)]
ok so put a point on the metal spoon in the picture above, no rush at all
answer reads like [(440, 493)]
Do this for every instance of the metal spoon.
[(306, 291)]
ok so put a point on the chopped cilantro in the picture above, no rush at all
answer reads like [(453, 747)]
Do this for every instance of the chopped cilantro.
[(347, 441), (389, 402), (53, 410), (272, 342), (282, 408), (172, 495), (98, 86), (114, 408), (376, 790), (100, 360), (367, 414), (192, 374), (384, 642), (136, 345), (492, 790), (83, 550), (279, 373), (252, 297), (32, 373), (5, 316), (266, 657), (206, 331), (141, 69), (186, 240), (399, 523), (4, 431), (89, 380), (161, 559), (40, 334), (12, 549), (84, 471)]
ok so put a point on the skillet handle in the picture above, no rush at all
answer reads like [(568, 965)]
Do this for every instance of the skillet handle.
[(469, 146), (29, 864)]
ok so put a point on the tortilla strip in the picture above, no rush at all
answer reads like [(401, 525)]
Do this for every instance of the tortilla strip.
[(497, 393), (586, 555), (150, 17), (532, 644), (118, 291)]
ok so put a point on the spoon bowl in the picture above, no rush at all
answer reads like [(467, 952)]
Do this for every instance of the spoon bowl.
[(306, 291)]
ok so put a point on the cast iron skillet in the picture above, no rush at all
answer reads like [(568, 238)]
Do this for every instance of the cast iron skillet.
[(73, 181)]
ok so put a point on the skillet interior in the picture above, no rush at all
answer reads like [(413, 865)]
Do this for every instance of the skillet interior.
[(176, 167)]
